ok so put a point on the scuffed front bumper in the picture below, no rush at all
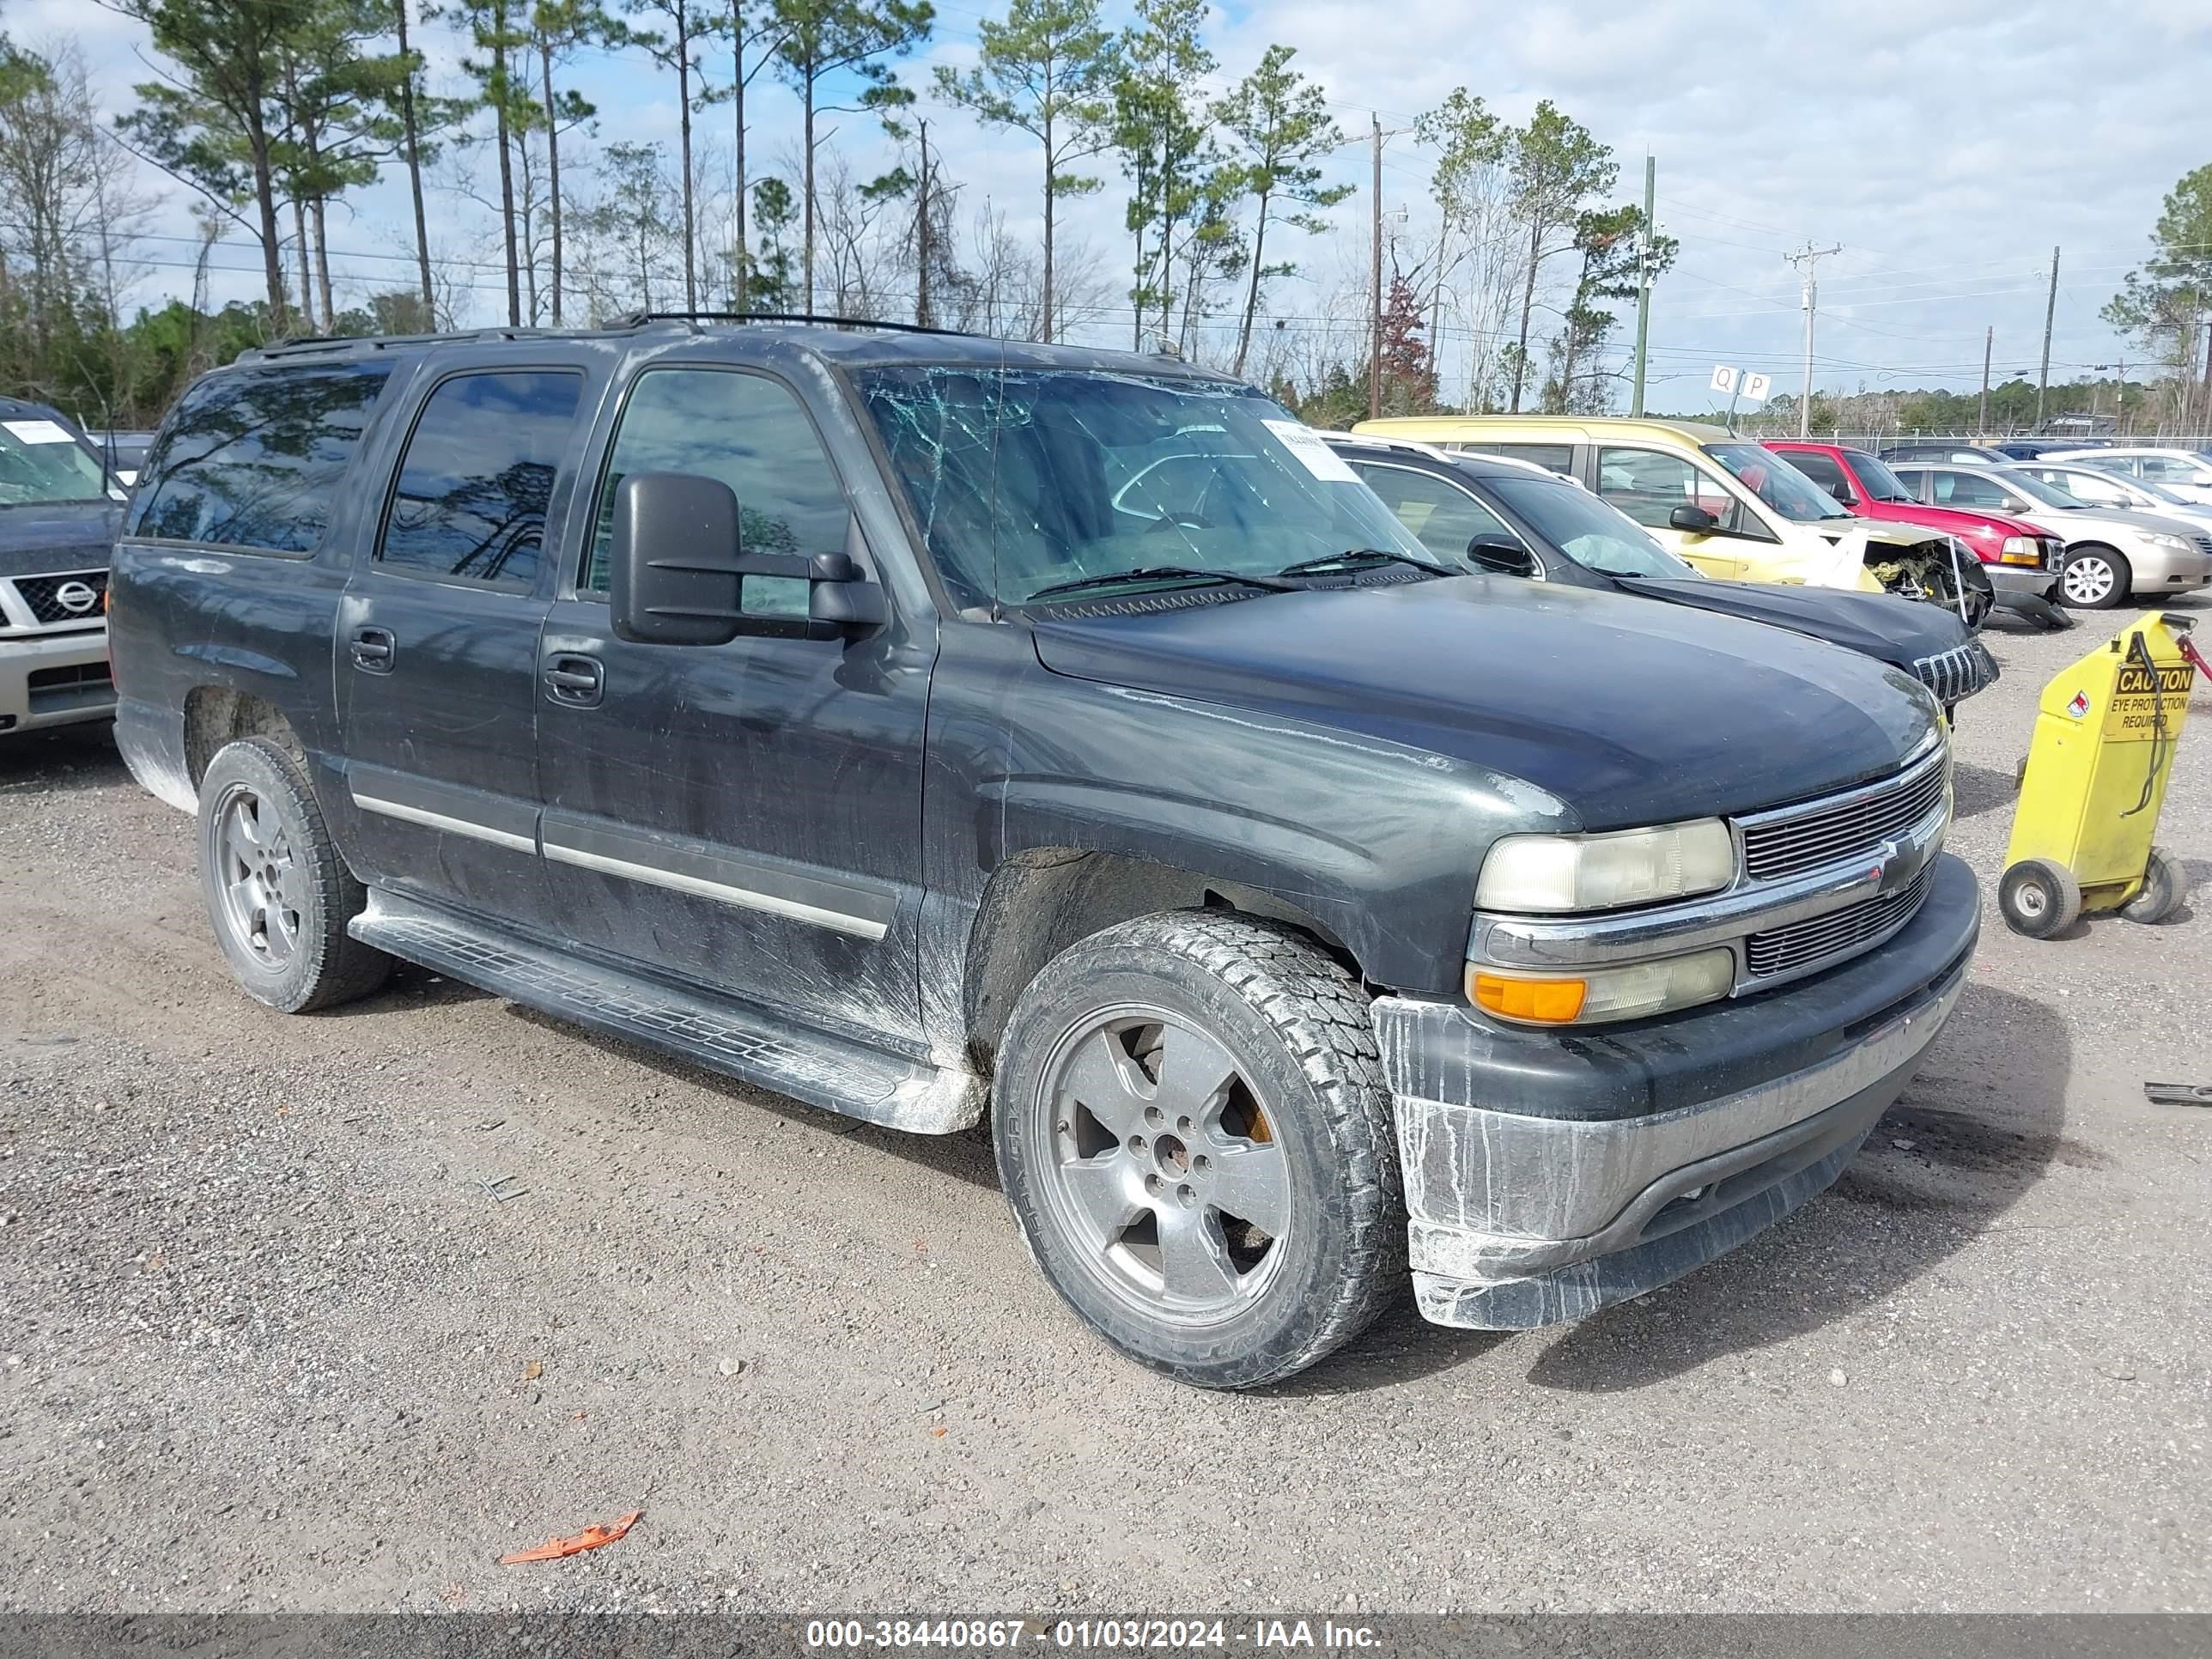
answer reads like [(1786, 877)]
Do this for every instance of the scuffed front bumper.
[(1549, 1176), (2014, 581)]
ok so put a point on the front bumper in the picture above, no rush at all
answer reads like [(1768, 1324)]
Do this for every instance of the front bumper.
[(1550, 1175), (2155, 570), (2016, 581), (54, 679)]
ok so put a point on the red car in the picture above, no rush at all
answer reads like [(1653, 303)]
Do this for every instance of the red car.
[(2022, 561)]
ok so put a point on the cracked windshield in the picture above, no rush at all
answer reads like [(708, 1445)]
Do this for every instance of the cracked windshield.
[(1028, 481)]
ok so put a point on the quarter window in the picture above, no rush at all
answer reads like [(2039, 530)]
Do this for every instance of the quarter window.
[(1649, 484), (252, 458), (478, 477), (752, 434), (1444, 517)]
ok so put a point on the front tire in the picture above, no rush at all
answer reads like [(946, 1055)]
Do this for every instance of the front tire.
[(1193, 1132), (2094, 578), (278, 893)]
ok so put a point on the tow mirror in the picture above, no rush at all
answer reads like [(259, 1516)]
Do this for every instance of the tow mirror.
[(674, 576), (1500, 554), (680, 574), (1692, 521)]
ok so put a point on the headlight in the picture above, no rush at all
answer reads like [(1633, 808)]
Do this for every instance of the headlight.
[(1546, 873), (2168, 543), (1603, 993), (2019, 549)]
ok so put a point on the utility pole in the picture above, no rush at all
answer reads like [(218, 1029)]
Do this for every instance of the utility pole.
[(1375, 322), (1989, 344), (1805, 259), (2050, 314), (921, 239), (1644, 281)]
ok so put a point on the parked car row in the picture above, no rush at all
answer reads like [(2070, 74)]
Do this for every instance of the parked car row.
[(1730, 506)]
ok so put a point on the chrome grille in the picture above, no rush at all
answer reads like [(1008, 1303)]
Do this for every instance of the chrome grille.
[(1784, 949), (2204, 544), (1956, 673), (42, 595), (1855, 825)]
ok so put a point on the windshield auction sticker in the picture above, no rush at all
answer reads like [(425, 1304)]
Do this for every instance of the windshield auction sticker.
[(1316, 457), (47, 432)]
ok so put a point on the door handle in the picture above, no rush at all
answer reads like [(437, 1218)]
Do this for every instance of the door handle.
[(575, 680), (374, 649)]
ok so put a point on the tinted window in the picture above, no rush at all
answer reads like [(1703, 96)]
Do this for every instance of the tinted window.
[(1649, 484), (1822, 470), (253, 458), (1555, 458), (478, 475), (1443, 516), (750, 434)]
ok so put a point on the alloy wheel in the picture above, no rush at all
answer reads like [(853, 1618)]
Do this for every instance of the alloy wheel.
[(1165, 1169), (258, 877)]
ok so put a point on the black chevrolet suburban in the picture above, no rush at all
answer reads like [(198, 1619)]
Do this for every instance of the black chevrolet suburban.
[(928, 727)]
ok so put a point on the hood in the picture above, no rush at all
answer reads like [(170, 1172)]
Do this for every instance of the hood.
[(66, 536), (1878, 531), (2074, 523), (1892, 630), (1953, 521), (1630, 713)]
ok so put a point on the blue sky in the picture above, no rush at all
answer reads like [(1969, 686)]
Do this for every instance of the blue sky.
[(1946, 146)]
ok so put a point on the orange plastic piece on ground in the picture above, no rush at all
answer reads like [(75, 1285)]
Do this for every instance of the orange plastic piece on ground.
[(590, 1538)]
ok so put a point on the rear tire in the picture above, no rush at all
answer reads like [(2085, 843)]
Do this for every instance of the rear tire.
[(2094, 578), (278, 894), (2039, 897), (2162, 891), (1193, 1132)]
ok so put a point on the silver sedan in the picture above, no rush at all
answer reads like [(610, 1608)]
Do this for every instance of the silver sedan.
[(2112, 552)]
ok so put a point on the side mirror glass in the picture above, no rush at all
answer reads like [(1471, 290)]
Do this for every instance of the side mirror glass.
[(1500, 554), (1692, 521), (674, 575)]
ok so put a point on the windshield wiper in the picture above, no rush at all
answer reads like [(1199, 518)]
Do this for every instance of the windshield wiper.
[(1361, 558), (1166, 571)]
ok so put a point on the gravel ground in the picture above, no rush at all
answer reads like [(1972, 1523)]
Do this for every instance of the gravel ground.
[(265, 1342)]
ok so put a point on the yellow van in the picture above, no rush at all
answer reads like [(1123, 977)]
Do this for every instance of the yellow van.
[(1732, 508)]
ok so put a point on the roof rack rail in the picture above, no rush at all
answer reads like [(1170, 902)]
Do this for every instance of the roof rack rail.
[(639, 319), (308, 344)]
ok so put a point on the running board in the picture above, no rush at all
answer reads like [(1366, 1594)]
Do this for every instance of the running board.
[(832, 1073)]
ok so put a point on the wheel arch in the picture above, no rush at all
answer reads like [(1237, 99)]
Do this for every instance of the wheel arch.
[(216, 715), (1041, 901)]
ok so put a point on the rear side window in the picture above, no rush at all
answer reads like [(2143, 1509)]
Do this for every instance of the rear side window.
[(1552, 457), (1822, 470), (478, 477), (252, 458)]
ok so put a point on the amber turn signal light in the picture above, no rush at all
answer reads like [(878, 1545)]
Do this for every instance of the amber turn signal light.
[(1550, 1001)]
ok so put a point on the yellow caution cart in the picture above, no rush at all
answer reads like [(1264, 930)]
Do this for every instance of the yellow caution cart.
[(2094, 779)]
